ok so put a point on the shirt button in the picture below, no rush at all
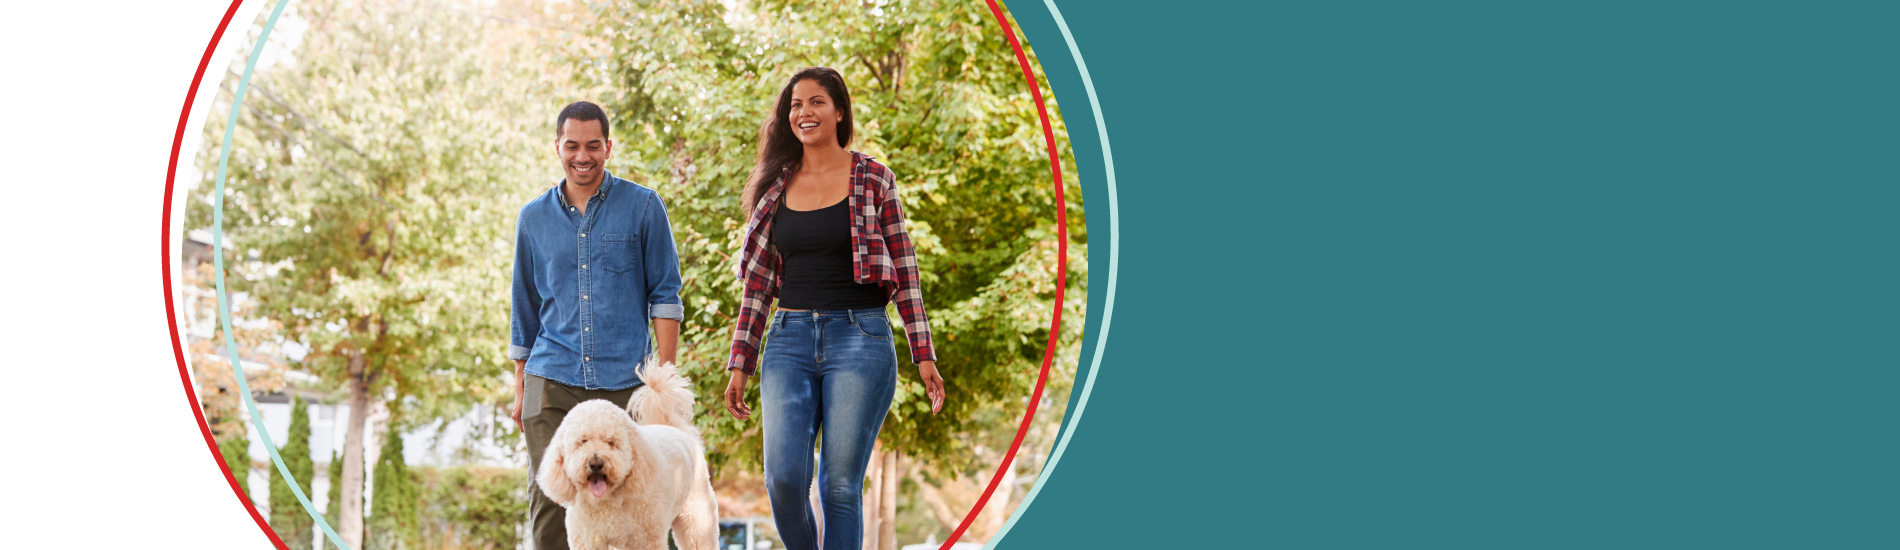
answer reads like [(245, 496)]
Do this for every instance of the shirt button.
[(583, 234), (585, 329), (587, 359), (583, 296), (583, 266)]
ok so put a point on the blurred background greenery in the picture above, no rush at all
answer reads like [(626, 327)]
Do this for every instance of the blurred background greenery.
[(385, 146)]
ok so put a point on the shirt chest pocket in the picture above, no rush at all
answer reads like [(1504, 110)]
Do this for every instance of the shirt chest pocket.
[(620, 252)]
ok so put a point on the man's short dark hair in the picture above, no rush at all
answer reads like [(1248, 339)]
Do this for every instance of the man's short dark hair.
[(583, 110)]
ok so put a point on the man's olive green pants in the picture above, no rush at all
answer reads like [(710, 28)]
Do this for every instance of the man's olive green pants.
[(543, 404)]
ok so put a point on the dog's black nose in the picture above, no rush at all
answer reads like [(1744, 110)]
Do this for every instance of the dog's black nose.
[(595, 464)]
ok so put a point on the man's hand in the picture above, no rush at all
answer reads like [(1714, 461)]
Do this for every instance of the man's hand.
[(514, 412)]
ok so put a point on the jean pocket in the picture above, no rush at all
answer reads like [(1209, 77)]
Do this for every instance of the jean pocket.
[(873, 327), (533, 389), (619, 252)]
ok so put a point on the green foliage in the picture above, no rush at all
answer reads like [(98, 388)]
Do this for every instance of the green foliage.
[(378, 168), (237, 457), (331, 512), (393, 523), (472, 506), (287, 516), (937, 96), (374, 179)]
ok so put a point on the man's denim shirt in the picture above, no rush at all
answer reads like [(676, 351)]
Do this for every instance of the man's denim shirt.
[(586, 283)]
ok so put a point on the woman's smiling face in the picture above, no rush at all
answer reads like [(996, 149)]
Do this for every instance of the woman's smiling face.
[(814, 116)]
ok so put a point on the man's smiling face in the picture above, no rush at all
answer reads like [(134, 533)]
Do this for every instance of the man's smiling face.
[(584, 149)]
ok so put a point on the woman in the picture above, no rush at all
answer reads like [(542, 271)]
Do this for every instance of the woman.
[(827, 240)]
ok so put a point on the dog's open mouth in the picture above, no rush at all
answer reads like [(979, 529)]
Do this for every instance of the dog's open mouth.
[(597, 484)]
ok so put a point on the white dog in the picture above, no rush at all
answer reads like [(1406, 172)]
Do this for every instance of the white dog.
[(626, 476)]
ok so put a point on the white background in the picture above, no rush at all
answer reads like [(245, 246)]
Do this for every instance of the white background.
[(102, 449)]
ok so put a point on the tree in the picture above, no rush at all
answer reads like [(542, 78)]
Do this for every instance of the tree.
[(334, 509), (379, 164), (373, 182), (939, 98), (237, 458), (287, 516), (394, 521)]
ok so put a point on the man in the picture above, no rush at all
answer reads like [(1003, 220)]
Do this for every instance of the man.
[(594, 259)]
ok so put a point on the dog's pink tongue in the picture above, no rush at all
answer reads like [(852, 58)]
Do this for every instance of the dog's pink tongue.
[(597, 487)]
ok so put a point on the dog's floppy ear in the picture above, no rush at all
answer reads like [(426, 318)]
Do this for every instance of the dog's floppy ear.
[(553, 476)]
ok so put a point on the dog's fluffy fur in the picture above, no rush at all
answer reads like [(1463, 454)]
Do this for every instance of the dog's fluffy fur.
[(626, 476)]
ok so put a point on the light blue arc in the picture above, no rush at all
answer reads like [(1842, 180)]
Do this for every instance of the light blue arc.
[(224, 302), (1108, 306)]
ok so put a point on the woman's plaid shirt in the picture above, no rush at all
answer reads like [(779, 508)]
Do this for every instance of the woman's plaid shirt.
[(881, 253)]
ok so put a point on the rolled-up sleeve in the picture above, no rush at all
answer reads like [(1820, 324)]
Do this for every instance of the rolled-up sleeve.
[(524, 309), (662, 263)]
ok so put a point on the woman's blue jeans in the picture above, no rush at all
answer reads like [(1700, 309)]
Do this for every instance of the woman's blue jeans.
[(829, 371)]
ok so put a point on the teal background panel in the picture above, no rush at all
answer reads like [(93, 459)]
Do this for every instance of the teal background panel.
[(1487, 275)]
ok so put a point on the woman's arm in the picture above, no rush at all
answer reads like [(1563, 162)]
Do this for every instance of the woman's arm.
[(754, 303), (910, 295), (761, 286)]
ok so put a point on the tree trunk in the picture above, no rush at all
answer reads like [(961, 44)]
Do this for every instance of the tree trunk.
[(887, 511), (946, 503), (873, 497), (351, 514), (933, 499), (990, 520)]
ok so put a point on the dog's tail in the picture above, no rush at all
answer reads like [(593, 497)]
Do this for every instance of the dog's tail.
[(666, 399)]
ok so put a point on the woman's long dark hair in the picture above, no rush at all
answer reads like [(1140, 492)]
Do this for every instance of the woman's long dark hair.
[(779, 149)]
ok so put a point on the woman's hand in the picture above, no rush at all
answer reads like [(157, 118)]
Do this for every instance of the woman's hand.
[(735, 396), (933, 384)]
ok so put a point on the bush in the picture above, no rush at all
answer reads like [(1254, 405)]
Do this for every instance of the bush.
[(473, 506)]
